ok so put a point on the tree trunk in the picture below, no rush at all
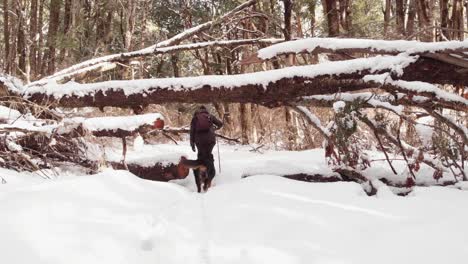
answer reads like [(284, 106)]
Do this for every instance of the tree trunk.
[(444, 19), (21, 39), (32, 37), (387, 15), (49, 57), (345, 16), (411, 17), (6, 36), (287, 19), (175, 66), (400, 17), (67, 20), (333, 18), (456, 20), (130, 23), (425, 10), (311, 6), (41, 38), (244, 123)]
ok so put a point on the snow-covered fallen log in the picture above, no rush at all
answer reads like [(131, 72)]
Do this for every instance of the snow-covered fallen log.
[(112, 126), (332, 45), (267, 87)]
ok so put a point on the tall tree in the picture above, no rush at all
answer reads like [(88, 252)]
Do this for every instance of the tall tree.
[(425, 10), (54, 21), (33, 36), (444, 19), (400, 17), (387, 15), (411, 17), (21, 38), (311, 7), (6, 35), (333, 17), (346, 16)]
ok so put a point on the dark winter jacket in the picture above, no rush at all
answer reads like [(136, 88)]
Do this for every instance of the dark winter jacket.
[(204, 137)]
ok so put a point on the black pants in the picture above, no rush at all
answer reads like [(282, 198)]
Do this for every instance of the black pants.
[(204, 155)]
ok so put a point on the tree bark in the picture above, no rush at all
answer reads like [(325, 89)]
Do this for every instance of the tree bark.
[(346, 16), (287, 19), (21, 38), (311, 6), (41, 38), (67, 20), (333, 17), (49, 57), (425, 10), (387, 15), (411, 17), (244, 123), (444, 19), (32, 37), (400, 17), (6, 36)]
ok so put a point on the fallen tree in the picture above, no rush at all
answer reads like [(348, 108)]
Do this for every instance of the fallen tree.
[(408, 82), (269, 88)]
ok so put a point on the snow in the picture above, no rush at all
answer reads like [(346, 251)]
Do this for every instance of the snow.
[(148, 155), (390, 46), (394, 63), (128, 123), (115, 217), (198, 45), (13, 84), (418, 87), (315, 120), (339, 106), (8, 114), (376, 100), (424, 130), (13, 119)]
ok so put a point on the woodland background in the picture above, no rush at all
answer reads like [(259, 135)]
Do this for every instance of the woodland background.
[(42, 37)]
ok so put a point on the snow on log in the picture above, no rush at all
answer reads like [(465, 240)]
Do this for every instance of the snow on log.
[(331, 45), (419, 88), (100, 62), (152, 162), (115, 126), (268, 87), (216, 43), (367, 98), (313, 120)]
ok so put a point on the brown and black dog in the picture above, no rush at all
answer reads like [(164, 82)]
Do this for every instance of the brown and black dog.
[(199, 171)]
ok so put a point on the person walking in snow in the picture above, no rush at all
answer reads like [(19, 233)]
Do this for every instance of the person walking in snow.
[(202, 135)]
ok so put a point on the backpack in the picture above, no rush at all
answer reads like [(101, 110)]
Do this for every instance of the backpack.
[(203, 122)]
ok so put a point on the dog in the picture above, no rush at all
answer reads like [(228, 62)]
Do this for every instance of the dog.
[(199, 171)]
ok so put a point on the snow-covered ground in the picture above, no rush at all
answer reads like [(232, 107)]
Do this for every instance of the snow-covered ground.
[(115, 217)]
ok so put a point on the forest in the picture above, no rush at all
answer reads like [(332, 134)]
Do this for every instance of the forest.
[(313, 95)]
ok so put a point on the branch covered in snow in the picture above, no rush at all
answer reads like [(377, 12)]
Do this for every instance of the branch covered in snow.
[(419, 88), (332, 45)]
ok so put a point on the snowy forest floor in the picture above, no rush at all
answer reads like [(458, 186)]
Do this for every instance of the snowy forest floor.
[(115, 217)]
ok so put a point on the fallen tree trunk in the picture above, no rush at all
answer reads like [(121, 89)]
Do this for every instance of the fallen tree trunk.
[(269, 88), (271, 95)]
